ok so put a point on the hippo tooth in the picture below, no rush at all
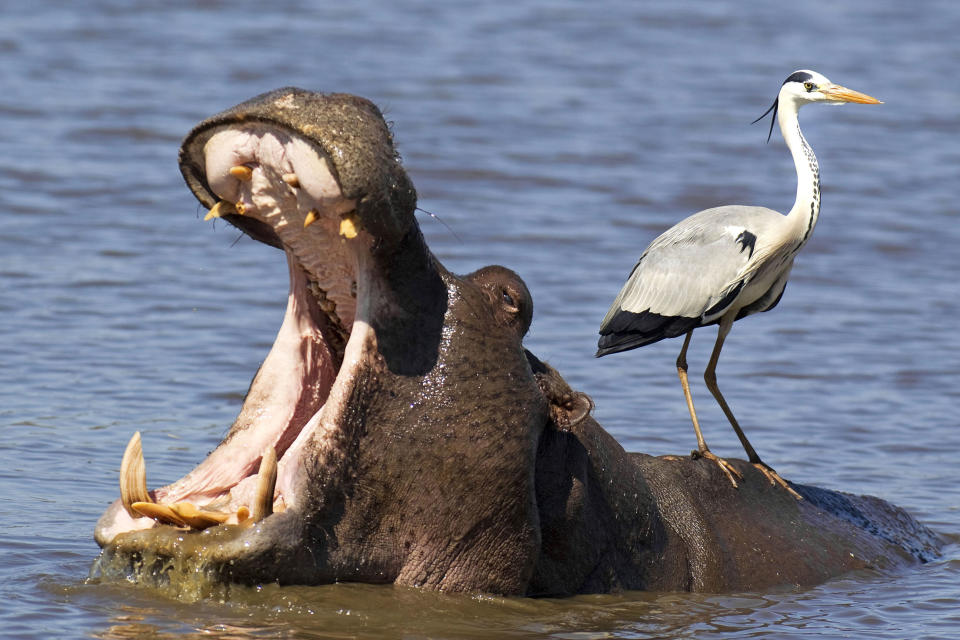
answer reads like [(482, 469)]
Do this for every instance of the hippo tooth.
[(266, 483), (184, 509), (243, 514), (220, 209), (133, 476), (198, 518), (242, 172), (348, 227), (162, 513), (241, 208), (291, 179), (312, 216), (213, 517)]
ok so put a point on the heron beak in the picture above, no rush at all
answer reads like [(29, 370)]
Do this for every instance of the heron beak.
[(842, 94)]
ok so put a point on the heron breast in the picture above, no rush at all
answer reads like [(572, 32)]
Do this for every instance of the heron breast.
[(763, 290)]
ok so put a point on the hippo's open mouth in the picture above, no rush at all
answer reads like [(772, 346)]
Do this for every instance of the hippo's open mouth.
[(283, 186)]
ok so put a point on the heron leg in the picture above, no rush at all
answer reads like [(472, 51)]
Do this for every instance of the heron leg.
[(682, 372), (710, 377), (703, 450)]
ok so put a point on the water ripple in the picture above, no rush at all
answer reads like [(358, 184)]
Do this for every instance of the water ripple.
[(551, 138)]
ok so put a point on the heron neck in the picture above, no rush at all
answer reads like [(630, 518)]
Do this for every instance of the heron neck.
[(806, 209)]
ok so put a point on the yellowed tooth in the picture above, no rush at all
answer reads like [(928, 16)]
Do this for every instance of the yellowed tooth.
[(216, 516), (133, 476), (312, 216), (243, 514), (162, 513), (349, 226), (241, 208), (220, 209), (184, 509), (266, 483), (198, 518), (291, 179), (242, 172)]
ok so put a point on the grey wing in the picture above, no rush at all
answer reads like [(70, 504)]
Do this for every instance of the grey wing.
[(690, 272)]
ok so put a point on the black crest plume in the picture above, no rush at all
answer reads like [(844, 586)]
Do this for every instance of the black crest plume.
[(773, 119)]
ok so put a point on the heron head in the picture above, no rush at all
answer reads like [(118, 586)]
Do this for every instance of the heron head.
[(805, 86)]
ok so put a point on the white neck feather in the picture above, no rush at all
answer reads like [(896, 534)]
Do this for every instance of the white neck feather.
[(806, 209)]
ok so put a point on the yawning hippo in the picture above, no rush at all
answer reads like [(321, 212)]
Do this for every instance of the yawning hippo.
[(398, 432)]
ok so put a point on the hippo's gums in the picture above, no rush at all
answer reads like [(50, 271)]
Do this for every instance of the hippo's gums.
[(398, 432)]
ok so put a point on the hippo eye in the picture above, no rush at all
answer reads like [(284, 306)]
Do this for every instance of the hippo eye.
[(508, 299)]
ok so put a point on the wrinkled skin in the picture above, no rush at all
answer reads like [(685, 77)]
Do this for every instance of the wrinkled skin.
[(421, 444)]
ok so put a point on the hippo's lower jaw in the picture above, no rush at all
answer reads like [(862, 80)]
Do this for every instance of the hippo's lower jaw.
[(296, 404)]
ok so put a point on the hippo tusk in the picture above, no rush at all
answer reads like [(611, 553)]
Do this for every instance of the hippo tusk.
[(198, 518), (312, 216), (186, 514), (137, 501), (162, 513), (266, 483), (133, 476)]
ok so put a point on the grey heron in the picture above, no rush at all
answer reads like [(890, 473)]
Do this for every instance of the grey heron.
[(724, 263)]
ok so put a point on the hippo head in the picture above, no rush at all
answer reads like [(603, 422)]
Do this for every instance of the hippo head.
[(390, 435)]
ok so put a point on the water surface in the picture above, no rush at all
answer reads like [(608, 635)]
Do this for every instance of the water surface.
[(555, 138)]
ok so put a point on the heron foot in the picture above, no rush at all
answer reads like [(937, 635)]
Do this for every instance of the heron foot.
[(775, 478), (725, 466)]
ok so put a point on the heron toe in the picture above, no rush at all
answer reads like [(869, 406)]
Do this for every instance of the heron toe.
[(725, 466), (775, 478)]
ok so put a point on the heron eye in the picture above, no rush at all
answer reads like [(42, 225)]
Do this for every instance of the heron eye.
[(809, 86)]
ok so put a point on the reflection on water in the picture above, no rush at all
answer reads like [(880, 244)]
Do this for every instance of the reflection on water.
[(864, 604), (555, 138)]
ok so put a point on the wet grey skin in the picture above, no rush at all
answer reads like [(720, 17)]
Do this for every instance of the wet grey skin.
[(424, 445)]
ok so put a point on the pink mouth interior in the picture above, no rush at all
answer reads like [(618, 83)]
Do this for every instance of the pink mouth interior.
[(289, 402), (289, 393)]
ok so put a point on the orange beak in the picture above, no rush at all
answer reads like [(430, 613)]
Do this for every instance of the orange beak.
[(843, 94)]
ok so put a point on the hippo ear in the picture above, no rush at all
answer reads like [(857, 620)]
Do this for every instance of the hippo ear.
[(571, 410), (568, 408)]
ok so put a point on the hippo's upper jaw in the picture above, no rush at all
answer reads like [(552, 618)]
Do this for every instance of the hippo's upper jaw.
[(356, 382)]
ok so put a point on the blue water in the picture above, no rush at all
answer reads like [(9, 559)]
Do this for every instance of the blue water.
[(555, 138)]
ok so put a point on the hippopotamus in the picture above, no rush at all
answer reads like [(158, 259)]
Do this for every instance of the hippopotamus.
[(399, 432)]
